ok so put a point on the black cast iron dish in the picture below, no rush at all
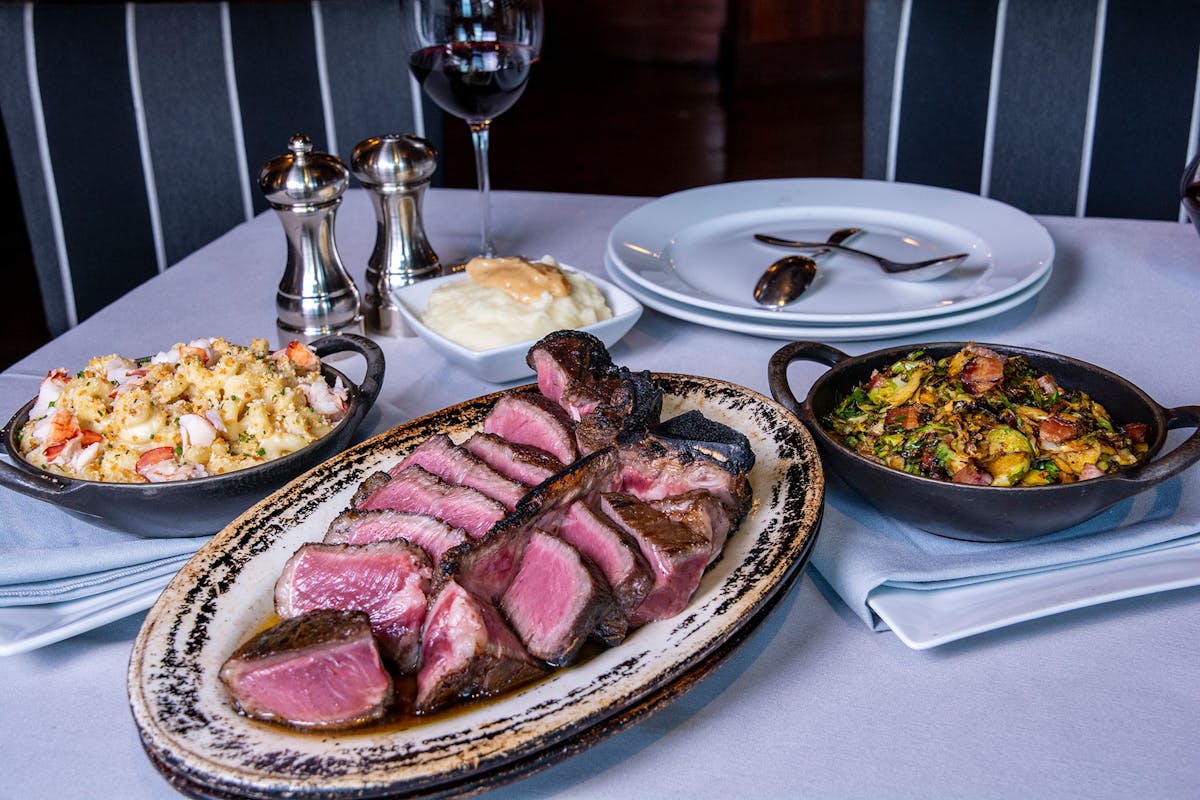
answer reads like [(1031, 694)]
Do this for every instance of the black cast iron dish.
[(985, 513), (203, 505)]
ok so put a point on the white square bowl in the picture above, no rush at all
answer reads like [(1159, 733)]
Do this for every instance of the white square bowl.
[(504, 364)]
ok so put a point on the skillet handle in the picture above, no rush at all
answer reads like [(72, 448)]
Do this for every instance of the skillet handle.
[(1179, 459), (796, 351), (372, 380), (34, 482)]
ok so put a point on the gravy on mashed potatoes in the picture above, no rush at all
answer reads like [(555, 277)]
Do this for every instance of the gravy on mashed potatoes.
[(504, 301)]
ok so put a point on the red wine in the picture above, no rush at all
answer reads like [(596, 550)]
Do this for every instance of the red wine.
[(477, 81)]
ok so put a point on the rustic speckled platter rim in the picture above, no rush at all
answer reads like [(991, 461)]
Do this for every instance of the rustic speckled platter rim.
[(223, 595)]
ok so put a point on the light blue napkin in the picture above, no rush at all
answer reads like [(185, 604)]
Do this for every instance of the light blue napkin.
[(860, 549), (49, 556)]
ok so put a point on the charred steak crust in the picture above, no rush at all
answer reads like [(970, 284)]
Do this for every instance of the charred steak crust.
[(586, 477), (707, 438)]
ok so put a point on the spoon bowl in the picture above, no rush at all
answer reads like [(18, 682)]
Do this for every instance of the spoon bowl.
[(787, 278), (914, 271), (784, 281)]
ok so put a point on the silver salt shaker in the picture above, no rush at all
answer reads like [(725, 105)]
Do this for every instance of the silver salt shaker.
[(396, 168), (316, 295)]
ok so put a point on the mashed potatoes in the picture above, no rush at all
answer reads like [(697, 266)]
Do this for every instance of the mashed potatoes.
[(504, 301), (202, 408)]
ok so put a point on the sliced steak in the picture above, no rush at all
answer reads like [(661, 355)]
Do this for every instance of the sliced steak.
[(677, 554), (609, 404), (321, 670), (370, 485), (389, 580), (569, 364), (653, 469), (633, 404), (530, 419), (703, 513), (529, 465), (418, 491), (557, 599), (467, 650), (486, 567), (432, 535), (453, 464), (614, 552), (584, 479)]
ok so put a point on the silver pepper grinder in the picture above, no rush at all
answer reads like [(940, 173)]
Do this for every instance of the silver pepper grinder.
[(316, 295), (396, 168)]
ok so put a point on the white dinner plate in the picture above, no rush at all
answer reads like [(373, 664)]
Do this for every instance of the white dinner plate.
[(784, 329), (924, 618), (224, 595), (697, 248)]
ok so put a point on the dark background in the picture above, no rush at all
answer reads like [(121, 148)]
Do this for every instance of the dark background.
[(632, 97)]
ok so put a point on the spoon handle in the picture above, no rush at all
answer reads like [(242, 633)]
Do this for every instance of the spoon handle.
[(775, 240)]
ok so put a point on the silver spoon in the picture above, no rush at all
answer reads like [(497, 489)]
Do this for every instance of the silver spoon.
[(787, 278), (918, 271)]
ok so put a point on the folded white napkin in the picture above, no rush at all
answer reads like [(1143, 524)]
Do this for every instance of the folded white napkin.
[(49, 556), (859, 549)]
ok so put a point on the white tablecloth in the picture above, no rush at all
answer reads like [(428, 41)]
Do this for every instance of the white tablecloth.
[(1100, 702)]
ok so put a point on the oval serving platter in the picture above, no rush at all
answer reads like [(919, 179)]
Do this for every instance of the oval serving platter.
[(223, 596)]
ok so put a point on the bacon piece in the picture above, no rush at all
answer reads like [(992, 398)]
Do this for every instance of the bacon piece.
[(1090, 471), (904, 416), (1056, 430), (1136, 431), (972, 476), (982, 372), (1048, 384)]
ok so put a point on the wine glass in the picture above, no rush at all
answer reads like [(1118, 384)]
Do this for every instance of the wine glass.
[(473, 60)]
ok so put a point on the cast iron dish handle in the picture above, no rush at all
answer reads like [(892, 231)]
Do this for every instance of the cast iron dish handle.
[(777, 372), (1174, 462), (372, 380), (43, 485)]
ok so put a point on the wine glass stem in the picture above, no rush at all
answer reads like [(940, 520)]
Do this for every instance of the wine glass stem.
[(479, 137)]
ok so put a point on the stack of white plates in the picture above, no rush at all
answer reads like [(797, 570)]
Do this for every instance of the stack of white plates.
[(693, 255)]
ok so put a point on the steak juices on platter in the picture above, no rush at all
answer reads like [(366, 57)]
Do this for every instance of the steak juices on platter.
[(470, 568)]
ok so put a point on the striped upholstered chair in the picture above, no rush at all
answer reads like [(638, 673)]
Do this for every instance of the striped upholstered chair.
[(1073, 107), (138, 130)]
